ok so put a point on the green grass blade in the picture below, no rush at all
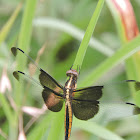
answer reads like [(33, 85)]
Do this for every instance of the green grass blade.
[(75, 32), (96, 129), (78, 62), (49, 128), (24, 40), (7, 27), (84, 44), (10, 117), (121, 17), (23, 43), (57, 126), (118, 21), (6, 108), (41, 128), (122, 54)]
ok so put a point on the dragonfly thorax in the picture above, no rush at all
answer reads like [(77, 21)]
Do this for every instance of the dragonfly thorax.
[(71, 82)]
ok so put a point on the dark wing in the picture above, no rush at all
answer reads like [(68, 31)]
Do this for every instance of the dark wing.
[(84, 110), (84, 104), (52, 99), (105, 101), (48, 81), (52, 93), (89, 93)]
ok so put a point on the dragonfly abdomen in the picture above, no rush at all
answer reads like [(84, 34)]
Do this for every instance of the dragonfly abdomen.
[(68, 119)]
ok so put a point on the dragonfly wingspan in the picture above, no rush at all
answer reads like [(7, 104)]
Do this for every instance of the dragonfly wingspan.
[(84, 103), (52, 90)]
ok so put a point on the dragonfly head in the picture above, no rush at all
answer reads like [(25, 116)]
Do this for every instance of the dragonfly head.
[(72, 72)]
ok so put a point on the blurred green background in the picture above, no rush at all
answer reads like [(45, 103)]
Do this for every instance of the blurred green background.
[(58, 26)]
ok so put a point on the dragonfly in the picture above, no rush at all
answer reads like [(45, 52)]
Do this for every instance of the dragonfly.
[(83, 103)]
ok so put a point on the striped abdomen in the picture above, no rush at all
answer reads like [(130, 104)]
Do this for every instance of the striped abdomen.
[(68, 119)]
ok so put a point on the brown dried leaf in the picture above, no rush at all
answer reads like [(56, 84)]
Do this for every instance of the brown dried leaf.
[(127, 15)]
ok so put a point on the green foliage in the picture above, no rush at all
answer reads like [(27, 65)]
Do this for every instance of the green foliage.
[(61, 50)]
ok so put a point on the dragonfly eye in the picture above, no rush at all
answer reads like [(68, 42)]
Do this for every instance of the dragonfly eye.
[(72, 72)]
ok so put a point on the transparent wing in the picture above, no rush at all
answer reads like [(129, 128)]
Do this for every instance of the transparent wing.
[(53, 100), (52, 90), (96, 100), (44, 78), (115, 111)]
